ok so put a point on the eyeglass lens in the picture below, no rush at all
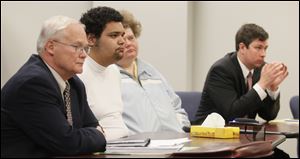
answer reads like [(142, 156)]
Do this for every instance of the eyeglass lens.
[(258, 132)]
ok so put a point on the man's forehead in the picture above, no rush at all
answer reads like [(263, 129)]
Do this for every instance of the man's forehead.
[(260, 42), (114, 27)]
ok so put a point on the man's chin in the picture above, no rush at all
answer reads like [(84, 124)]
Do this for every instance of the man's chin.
[(79, 71), (118, 57), (258, 65)]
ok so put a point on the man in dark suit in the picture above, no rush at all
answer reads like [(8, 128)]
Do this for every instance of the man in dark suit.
[(226, 91), (34, 118), (232, 91)]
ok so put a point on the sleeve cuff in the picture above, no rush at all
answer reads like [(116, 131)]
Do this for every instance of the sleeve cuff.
[(261, 92), (273, 94), (183, 120)]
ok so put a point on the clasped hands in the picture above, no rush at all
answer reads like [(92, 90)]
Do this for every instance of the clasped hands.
[(272, 74)]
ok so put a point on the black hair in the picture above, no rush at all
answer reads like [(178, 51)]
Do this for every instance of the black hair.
[(95, 19), (248, 33)]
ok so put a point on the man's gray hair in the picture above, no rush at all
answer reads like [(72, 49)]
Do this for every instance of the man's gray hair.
[(51, 27)]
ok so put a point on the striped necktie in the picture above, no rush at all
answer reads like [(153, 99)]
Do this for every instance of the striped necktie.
[(67, 99), (249, 81)]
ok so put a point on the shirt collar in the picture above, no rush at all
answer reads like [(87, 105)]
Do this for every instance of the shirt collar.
[(94, 65), (142, 69), (60, 81), (245, 70)]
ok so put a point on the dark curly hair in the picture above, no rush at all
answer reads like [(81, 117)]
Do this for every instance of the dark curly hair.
[(248, 33), (96, 19)]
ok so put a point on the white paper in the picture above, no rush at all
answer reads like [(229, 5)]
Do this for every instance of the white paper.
[(156, 146), (169, 142)]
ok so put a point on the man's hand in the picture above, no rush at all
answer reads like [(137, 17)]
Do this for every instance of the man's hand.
[(272, 75), (283, 73)]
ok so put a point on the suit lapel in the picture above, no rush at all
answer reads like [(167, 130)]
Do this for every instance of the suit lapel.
[(53, 80), (239, 71)]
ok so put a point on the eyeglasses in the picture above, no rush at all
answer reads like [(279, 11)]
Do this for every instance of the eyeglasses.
[(78, 49), (255, 132)]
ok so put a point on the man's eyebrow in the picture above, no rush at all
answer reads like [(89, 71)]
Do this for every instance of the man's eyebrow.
[(117, 31), (80, 43)]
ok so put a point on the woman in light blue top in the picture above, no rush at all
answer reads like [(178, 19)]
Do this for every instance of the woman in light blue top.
[(150, 104)]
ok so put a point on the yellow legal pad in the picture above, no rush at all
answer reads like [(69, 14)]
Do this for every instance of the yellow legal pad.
[(226, 132)]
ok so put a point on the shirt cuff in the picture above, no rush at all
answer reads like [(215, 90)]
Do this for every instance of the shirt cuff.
[(261, 92), (183, 120), (273, 94)]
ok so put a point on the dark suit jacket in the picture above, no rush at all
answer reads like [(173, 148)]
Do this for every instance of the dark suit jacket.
[(225, 92), (33, 120)]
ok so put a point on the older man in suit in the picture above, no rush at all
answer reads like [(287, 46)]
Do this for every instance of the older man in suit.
[(44, 109)]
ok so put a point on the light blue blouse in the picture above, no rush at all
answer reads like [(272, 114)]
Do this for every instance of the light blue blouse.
[(150, 104)]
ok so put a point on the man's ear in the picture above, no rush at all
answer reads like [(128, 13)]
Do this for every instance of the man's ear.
[(242, 47), (91, 40), (49, 47)]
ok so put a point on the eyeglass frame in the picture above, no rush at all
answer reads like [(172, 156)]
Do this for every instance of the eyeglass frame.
[(255, 131), (76, 47)]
